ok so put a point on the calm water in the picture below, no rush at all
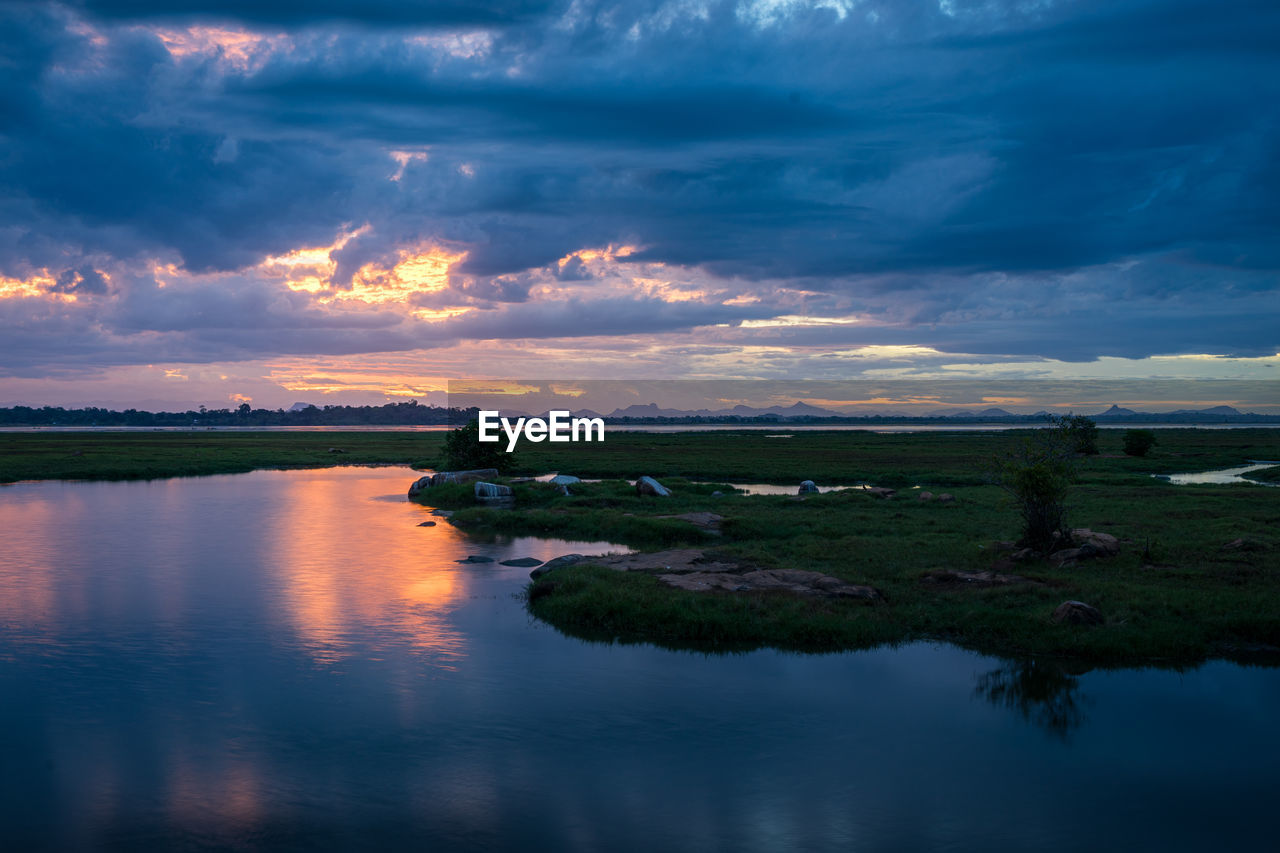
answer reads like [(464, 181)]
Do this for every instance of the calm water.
[(284, 660), (1221, 476)]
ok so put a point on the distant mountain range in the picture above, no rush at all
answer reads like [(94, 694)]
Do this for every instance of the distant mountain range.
[(795, 410), (803, 412)]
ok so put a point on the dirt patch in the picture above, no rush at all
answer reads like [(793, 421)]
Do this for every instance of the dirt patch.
[(949, 577), (675, 560), (696, 570), (782, 580)]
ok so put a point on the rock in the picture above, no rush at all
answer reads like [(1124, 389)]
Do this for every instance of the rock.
[(1076, 613), (494, 494), (651, 487), (521, 562), (492, 490), (672, 560), (881, 492), (717, 494), (703, 520), (564, 480), (336, 450), (475, 558), (427, 524), (1102, 544), (1023, 555), (703, 581), (557, 563), (808, 486), (442, 513), (926, 496), (946, 498), (1004, 547), (423, 483), (1089, 545), (1067, 555)]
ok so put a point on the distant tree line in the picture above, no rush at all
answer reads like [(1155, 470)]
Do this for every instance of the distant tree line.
[(392, 414)]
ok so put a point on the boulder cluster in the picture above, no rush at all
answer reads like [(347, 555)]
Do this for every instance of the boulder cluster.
[(440, 477)]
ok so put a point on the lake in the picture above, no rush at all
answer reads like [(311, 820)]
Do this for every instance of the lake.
[(284, 660)]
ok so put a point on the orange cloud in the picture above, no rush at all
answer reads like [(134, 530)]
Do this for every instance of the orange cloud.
[(239, 49), (417, 271), (391, 381), (38, 286), (403, 159), (609, 253)]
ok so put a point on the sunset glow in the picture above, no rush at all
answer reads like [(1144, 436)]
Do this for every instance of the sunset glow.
[(674, 425), (482, 197)]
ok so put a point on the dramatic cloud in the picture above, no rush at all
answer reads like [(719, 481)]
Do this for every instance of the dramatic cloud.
[(755, 183)]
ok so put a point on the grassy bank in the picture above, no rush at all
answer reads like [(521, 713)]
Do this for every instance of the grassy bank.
[(902, 459), (1177, 593), (149, 455)]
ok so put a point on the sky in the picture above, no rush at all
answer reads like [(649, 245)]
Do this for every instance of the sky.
[(270, 202)]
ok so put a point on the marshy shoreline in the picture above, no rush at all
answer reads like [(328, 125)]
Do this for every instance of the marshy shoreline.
[(1197, 575), (1194, 574)]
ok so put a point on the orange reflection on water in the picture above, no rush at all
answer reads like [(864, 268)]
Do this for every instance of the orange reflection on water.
[(28, 592), (203, 793), (352, 567)]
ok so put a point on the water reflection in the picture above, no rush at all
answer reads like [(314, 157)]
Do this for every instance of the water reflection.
[(1220, 477), (347, 565), (1041, 692), (285, 661)]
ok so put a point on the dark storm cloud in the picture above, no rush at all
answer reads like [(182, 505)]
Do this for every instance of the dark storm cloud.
[(973, 172), (284, 12)]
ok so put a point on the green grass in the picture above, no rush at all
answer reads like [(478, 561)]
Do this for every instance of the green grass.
[(829, 457), (153, 454), (890, 459), (1172, 594)]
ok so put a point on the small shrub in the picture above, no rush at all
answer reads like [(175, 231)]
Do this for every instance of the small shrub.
[(463, 450), (1038, 476), (1080, 433), (1138, 441)]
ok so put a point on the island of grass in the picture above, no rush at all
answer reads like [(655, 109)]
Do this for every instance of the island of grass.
[(1196, 576)]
